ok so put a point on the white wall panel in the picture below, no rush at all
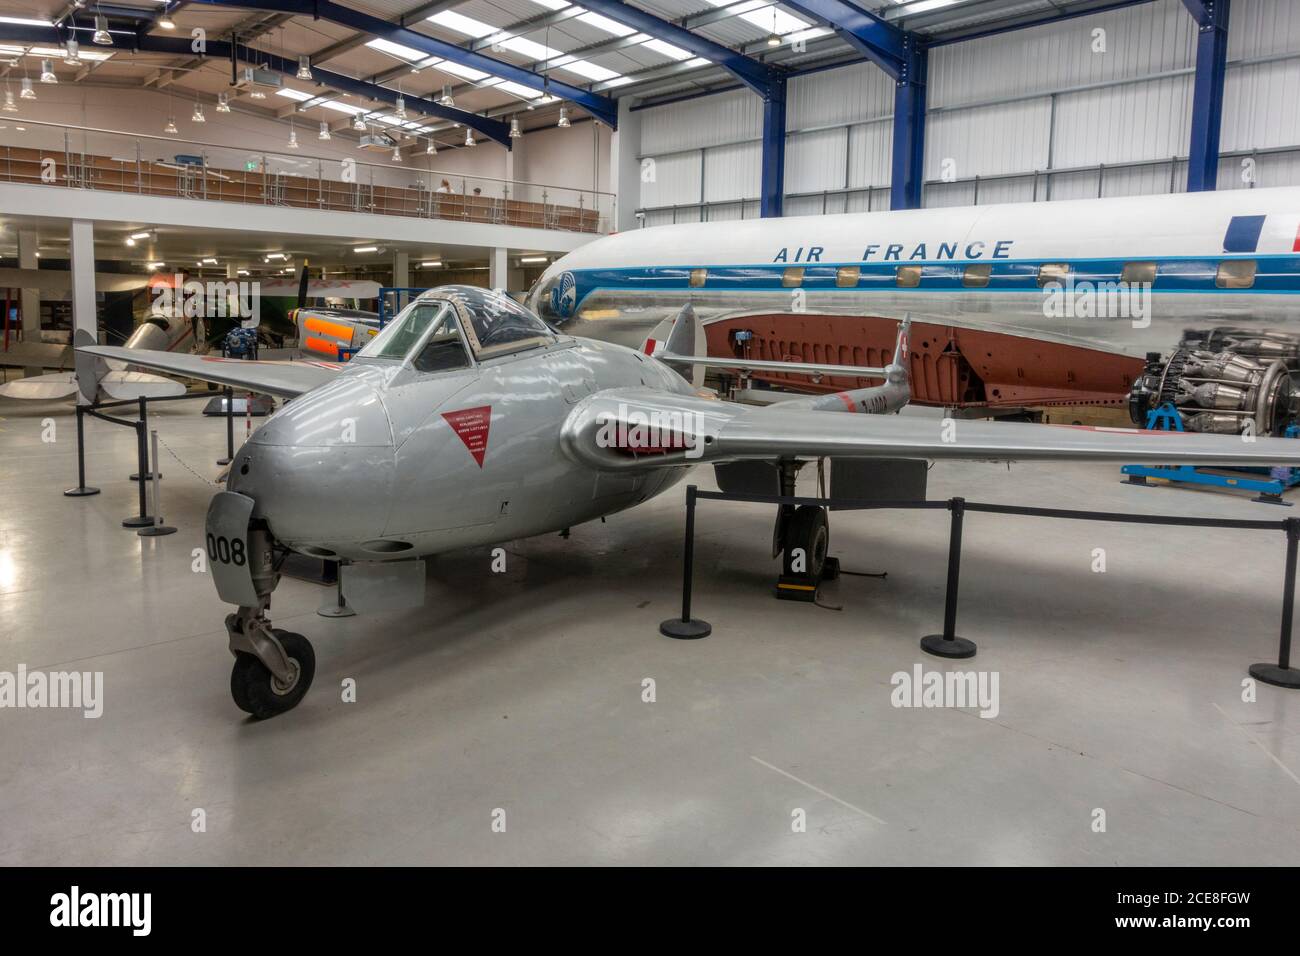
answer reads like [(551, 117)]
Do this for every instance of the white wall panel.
[(850, 94), (705, 121), (1263, 28), (732, 172), (988, 140), (1121, 123), (1139, 41), (815, 161), (870, 146), (672, 180)]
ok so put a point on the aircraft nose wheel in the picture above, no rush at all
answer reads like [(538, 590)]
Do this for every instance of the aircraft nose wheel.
[(259, 692)]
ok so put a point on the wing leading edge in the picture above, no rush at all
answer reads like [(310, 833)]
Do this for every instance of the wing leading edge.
[(281, 379), (615, 430)]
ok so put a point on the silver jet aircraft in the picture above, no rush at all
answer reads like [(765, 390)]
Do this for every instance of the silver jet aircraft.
[(468, 421)]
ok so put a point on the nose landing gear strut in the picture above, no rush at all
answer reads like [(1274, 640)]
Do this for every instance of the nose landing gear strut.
[(273, 667)]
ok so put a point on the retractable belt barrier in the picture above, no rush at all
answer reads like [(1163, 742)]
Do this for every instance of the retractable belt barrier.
[(948, 644)]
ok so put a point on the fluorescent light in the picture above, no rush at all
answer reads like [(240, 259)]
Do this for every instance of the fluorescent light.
[(275, 255), (141, 235), (293, 94), (341, 107), (463, 24), (25, 21), (533, 260), (365, 248), (431, 264), (157, 265), (399, 50), (604, 23), (209, 261), (666, 49)]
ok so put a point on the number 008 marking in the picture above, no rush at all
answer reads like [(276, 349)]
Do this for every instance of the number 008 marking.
[(226, 550)]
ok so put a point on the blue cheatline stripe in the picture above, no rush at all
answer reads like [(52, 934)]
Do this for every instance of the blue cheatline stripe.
[(1275, 275)]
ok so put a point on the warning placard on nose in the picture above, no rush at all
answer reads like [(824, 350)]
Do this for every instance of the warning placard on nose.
[(472, 424)]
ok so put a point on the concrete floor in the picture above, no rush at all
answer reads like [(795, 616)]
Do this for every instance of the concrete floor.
[(1119, 690)]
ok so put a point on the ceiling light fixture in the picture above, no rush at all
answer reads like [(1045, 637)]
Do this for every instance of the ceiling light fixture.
[(73, 57), (431, 264), (324, 130), (446, 98), (365, 248), (358, 123), (197, 116), (431, 149), (564, 119), (10, 106), (129, 241), (397, 154), (166, 22), (223, 102), (469, 137), (401, 108), (47, 72), (515, 131), (171, 126), (27, 93), (304, 68), (157, 265), (102, 36), (293, 138)]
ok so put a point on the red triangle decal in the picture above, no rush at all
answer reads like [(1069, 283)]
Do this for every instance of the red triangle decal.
[(472, 424)]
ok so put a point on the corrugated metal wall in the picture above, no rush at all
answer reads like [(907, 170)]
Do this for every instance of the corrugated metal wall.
[(1111, 110)]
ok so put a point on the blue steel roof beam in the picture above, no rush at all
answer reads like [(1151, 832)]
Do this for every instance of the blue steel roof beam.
[(880, 42), (759, 77), (601, 107), (220, 50)]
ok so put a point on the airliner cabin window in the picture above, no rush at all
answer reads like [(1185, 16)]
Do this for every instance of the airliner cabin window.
[(792, 278), (908, 277), (1138, 273), (976, 275), (846, 277), (697, 277), (1050, 272), (1235, 274)]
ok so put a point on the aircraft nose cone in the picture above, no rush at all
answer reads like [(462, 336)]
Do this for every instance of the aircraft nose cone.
[(321, 469)]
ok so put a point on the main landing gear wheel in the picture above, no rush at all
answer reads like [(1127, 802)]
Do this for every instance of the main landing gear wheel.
[(258, 692), (809, 532)]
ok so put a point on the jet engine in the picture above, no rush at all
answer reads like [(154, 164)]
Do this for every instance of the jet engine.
[(1262, 344), (1217, 391)]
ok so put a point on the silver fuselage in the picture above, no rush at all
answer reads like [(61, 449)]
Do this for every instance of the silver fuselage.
[(380, 463)]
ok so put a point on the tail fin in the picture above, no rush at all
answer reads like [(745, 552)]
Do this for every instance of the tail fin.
[(900, 348), (684, 336)]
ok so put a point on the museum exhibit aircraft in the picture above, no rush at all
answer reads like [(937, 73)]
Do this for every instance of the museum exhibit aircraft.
[(468, 421), (1023, 303)]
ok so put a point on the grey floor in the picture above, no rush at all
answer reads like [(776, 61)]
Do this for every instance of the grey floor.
[(1119, 691)]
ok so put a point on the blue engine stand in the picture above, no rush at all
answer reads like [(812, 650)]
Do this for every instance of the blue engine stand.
[(1268, 487)]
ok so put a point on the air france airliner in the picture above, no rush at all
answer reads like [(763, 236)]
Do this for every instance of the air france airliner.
[(1126, 274)]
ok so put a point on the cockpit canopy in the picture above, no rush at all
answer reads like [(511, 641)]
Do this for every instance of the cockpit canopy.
[(443, 327)]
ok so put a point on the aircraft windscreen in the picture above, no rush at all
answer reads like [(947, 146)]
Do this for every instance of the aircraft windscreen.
[(444, 349), (500, 323), (406, 329)]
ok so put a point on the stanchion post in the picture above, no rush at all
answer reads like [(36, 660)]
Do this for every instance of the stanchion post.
[(81, 490), (142, 460), (157, 528), (230, 426), (147, 474), (687, 628), (1282, 674), (948, 644)]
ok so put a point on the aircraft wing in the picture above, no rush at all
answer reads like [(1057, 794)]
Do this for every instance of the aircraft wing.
[(281, 379), (636, 428)]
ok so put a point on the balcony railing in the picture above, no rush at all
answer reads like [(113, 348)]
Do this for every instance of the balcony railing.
[(87, 158)]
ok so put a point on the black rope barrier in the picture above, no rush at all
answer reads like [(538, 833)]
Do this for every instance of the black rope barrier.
[(948, 644)]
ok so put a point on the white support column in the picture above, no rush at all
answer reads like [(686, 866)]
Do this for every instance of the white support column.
[(85, 318), (402, 270), (29, 300), (498, 268), (624, 166)]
